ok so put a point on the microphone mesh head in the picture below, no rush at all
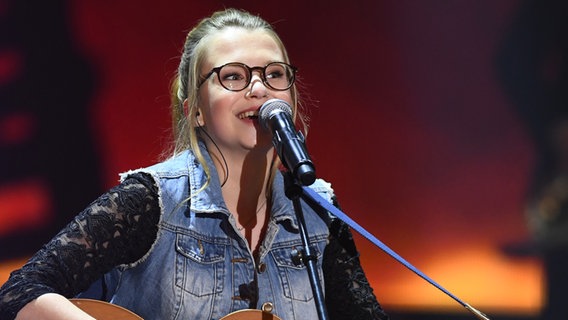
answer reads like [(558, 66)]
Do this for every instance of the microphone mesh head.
[(272, 107)]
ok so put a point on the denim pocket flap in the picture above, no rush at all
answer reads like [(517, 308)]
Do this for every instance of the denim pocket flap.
[(284, 256), (199, 250)]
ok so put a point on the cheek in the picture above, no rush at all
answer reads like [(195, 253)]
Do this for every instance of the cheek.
[(216, 105), (284, 95)]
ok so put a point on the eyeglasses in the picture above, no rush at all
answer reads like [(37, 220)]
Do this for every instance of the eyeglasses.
[(236, 76)]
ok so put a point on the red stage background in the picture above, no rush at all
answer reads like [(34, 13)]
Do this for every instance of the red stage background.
[(408, 122)]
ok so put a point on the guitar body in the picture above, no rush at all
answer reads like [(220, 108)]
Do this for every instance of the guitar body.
[(102, 310), (250, 314)]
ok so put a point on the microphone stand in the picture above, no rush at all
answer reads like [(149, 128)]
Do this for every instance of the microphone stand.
[(318, 203), (293, 191)]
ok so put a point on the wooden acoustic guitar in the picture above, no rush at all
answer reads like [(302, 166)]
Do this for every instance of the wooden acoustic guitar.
[(102, 310)]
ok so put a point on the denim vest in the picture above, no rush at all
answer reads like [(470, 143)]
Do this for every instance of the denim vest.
[(200, 266)]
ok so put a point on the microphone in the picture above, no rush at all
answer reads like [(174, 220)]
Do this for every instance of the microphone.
[(276, 115)]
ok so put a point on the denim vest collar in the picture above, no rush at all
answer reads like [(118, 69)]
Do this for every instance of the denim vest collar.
[(210, 199)]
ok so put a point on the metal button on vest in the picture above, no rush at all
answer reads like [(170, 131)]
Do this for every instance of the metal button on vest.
[(267, 307), (261, 267)]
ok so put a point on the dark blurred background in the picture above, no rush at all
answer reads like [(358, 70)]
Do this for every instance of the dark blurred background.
[(439, 124)]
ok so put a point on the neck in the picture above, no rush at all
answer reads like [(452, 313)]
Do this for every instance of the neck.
[(245, 177)]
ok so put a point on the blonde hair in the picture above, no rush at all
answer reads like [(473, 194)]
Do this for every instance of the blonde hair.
[(185, 83)]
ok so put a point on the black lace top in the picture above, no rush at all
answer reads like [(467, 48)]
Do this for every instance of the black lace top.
[(120, 227)]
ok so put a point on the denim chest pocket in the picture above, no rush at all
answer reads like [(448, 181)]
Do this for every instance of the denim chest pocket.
[(294, 276), (200, 264)]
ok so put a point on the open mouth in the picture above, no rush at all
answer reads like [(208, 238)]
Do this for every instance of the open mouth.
[(249, 115)]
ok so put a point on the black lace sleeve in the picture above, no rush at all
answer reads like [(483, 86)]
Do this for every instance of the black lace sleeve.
[(117, 228), (347, 290)]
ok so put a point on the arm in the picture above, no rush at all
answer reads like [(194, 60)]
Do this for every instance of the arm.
[(52, 306), (348, 292), (117, 228)]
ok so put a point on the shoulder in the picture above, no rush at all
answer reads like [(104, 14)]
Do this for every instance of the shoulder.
[(178, 164)]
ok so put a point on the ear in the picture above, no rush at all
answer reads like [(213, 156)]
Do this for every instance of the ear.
[(198, 121)]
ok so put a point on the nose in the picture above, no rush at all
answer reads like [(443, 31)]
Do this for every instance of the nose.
[(257, 87)]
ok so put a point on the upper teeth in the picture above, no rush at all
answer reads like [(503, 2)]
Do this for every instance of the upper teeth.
[(248, 114)]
